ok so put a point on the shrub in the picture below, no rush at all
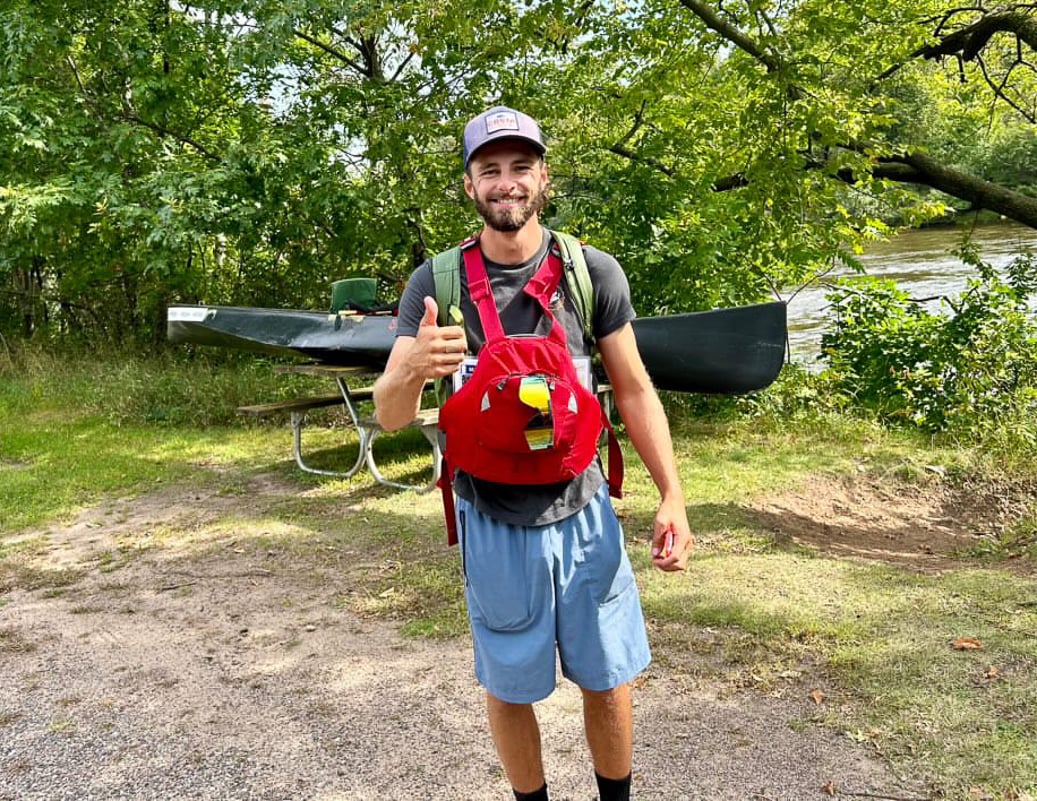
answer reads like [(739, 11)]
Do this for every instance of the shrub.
[(969, 369)]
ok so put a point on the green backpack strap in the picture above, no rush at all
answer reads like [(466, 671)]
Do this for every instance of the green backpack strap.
[(577, 279), (446, 274)]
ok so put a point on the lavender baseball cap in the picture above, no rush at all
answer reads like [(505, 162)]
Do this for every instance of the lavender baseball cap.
[(501, 122)]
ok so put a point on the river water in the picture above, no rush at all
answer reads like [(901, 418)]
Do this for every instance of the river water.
[(922, 264)]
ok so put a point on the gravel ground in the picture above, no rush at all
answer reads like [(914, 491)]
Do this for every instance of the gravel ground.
[(226, 677)]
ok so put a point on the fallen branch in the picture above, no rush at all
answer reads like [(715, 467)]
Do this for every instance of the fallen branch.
[(171, 587)]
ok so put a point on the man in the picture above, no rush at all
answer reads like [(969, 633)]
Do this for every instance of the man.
[(545, 568)]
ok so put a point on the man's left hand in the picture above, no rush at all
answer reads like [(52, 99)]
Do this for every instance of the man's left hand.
[(671, 540)]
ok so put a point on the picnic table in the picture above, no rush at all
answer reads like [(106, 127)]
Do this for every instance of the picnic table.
[(349, 396)]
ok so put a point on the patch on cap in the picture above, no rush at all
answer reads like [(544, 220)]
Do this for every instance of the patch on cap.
[(502, 121)]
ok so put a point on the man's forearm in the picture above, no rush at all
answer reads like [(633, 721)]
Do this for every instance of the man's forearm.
[(649, 433), (397, 397)]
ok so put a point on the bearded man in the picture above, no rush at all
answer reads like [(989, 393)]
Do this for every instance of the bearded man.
[(547, 578)]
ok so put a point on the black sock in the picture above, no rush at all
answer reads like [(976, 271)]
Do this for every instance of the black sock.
[(613, 789), (536, 795)]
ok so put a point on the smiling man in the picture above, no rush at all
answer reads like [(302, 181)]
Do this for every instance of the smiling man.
[(547, 578)]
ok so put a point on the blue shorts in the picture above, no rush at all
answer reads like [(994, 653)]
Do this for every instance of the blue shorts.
[(532, 589)]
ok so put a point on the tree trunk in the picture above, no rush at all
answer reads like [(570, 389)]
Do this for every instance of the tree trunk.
[(921, 169)]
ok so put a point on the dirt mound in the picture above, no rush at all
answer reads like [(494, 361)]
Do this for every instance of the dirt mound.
[(927, 525)]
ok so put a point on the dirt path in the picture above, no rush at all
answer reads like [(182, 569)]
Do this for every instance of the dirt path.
[(238, 676)]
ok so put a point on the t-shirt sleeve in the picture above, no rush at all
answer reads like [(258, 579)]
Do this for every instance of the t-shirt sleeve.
[(412, 303), (612, 305)]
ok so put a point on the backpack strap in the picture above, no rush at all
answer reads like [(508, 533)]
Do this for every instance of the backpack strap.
[(446, 277), (577, 279), (481, 293)]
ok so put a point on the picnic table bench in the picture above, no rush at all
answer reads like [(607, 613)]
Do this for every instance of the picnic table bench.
[(367, 427)]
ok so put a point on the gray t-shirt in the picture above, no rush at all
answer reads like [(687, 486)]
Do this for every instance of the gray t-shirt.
[(540, 504)]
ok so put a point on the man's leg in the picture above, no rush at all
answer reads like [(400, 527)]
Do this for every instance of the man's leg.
[(517, 737), (609, 722)]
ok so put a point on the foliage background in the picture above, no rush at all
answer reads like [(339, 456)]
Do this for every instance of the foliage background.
[(250, 152)]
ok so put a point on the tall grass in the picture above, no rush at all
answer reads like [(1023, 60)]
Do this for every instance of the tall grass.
[(74, 427), (194, 387)]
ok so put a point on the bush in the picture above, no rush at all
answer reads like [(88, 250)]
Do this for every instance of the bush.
[(969, 369)]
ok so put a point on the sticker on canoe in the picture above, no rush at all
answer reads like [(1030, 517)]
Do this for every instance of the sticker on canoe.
[(191, 315)]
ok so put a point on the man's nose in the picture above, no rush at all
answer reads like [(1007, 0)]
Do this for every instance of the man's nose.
[(508, 179)]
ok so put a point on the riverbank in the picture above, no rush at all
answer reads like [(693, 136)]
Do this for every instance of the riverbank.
[(185, 614), (923, 264)]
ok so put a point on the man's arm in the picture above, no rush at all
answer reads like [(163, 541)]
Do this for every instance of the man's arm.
[(649, 431), (436, 352)]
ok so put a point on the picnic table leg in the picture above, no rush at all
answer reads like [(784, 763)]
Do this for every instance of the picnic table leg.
[(431, 432), (298, 421)]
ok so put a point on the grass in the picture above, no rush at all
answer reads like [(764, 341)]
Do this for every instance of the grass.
[(754, 610)]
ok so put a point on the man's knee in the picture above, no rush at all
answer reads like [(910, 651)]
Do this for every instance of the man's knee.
[(498, 707), (615, 695)]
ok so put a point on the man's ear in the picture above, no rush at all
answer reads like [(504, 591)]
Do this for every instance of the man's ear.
[(469, 187)]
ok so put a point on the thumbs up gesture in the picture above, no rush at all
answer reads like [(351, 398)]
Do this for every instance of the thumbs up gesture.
[(438, 350)]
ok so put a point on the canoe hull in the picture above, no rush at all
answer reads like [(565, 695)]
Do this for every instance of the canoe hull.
[(725, 351), (354, 340)]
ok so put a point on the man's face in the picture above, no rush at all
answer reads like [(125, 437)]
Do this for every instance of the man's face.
[(508, 182)]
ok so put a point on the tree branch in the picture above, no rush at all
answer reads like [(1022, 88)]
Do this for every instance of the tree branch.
[(627, 153), (131, 116), (921, 169), (999, 89), (401, 68), (982, 194), (732, 33), (331, 51), (967, 42), (620, 148), (971, 39)]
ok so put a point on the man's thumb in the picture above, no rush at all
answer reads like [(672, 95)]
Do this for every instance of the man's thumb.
[(431, 312)]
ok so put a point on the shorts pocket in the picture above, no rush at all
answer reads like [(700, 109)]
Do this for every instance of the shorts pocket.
[(496, 582), (622, 583)]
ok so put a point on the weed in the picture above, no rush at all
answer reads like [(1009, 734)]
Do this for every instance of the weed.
[(12, 642)]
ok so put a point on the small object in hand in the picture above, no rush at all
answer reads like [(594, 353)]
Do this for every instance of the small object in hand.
[(667, 549)]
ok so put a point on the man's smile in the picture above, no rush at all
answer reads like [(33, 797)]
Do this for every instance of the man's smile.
[(508, 202)]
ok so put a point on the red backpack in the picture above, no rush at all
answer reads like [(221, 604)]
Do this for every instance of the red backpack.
[(523, 416)]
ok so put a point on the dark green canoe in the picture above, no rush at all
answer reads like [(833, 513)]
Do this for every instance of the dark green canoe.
[(724, 351)]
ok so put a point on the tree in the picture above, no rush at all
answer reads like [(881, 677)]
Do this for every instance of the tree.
[(985, 45), (252, 151)]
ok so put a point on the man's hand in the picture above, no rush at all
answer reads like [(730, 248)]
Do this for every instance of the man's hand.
[(671, 540), (437, 351)]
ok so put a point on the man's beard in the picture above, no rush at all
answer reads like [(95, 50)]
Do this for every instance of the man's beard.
[(512, 219)]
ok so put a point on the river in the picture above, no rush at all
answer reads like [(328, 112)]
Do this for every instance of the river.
[(922, 264)]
